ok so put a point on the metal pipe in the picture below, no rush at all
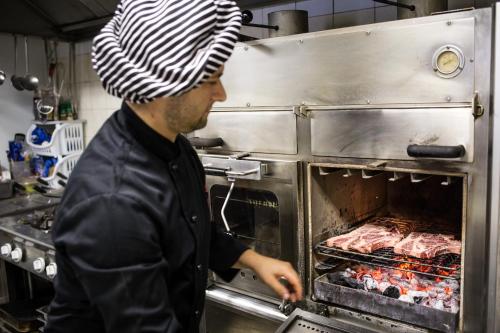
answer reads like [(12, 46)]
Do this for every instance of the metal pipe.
[(422, 8), (272, 27)]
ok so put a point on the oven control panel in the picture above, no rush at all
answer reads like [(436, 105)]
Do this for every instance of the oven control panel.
[(27, 243), (36, 258)]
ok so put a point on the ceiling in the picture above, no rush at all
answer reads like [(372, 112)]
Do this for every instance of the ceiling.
[(69, 20)]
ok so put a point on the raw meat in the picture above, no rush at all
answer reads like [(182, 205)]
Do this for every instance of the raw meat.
[(425, 245), (367, 238)]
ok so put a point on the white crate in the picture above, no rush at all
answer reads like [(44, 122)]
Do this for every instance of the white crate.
[(67, 138), (63, 166)]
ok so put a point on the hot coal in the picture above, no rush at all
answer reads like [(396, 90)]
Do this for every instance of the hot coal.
[(441, 294), (340, 279), (392, 292)]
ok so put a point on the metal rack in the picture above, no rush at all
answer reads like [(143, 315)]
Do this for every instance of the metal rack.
[(386, 258)]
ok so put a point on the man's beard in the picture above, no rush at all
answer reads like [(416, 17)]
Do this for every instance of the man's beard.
[(201, 123)]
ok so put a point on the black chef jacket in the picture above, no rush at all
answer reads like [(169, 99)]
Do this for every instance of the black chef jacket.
[(133, 236)]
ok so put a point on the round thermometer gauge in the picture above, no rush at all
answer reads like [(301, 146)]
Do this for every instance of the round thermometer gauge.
[(448, 61)]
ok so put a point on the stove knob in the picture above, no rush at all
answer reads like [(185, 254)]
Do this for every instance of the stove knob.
[(51, 270), (6, 249), (39, 265), (17, 254)]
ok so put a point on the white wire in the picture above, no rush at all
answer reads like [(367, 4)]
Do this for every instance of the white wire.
[(224, 207)]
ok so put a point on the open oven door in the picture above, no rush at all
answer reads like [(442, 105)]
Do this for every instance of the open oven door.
[(304, 322)]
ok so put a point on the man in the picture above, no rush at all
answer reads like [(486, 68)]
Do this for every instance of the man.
[(133, 237)]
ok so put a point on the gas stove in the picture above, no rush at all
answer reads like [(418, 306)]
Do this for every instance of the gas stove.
[(26, 203), (26, 242)]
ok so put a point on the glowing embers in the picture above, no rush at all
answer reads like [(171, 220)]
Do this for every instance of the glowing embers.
[(436, 293)]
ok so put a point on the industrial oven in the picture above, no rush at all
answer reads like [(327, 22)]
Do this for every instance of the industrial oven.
[(389, 126), (256, 196), (27, 265)]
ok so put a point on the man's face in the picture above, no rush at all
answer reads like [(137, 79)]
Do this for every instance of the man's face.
[(190, 111)]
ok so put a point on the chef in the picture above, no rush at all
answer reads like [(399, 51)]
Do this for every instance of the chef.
[(133, 236)]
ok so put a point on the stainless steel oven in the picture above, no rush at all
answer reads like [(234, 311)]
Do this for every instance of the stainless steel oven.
[(256, 200), (389, 132), (255, 190)]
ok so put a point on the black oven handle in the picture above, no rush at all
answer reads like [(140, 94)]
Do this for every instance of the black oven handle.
[(206, 142), (436, 151), (212, 171)]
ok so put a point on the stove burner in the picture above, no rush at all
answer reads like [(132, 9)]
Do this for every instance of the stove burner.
[(39, 219)]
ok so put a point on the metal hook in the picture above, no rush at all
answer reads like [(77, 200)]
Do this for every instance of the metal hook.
[(233, 181)]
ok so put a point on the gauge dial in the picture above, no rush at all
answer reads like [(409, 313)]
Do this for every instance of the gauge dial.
[(448, 62)]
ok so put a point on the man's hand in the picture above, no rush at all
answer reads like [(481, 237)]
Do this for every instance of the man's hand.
[(271, 271)]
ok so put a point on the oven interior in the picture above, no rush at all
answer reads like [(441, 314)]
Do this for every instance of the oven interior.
[(421, 283), (252, 216)]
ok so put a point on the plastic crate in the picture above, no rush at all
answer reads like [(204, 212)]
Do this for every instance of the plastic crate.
[(67, 139), (63, 166)]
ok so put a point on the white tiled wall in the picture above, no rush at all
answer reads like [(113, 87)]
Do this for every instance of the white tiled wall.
[(94, 104), (330, 14), (326, 14)]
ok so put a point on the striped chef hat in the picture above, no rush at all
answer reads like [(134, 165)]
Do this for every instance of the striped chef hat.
[(159, 48)]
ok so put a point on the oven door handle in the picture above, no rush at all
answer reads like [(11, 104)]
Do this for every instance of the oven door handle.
[(246, 304), (436, 151), (214, 171), (242, 173)]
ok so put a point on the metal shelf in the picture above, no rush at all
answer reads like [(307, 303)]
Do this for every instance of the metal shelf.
[(386, 258)]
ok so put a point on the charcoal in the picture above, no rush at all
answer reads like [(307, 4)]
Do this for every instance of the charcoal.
[(392, 292), (382, 286), (369, 282), (353, 283), (406, 298), (439, 305), (335, 277), (418, 299)]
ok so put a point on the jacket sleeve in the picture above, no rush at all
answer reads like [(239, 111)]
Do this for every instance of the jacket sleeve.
[(113, 249), (224, 252)]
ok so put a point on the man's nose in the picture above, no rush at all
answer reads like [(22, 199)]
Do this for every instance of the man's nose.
[(219, 93)]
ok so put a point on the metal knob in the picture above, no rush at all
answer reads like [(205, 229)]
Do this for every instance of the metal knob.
[(39, 265), (6, 249), (17, 254), (51, 270)]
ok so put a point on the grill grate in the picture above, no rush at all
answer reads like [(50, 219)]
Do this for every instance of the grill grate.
[(445, 266)]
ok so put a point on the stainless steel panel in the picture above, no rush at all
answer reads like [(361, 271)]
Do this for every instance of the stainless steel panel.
[(475, 279), (494, 194), (373, 64), (233, 168), (306, 322), (257, 132), (230, 312), (386, 133)]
